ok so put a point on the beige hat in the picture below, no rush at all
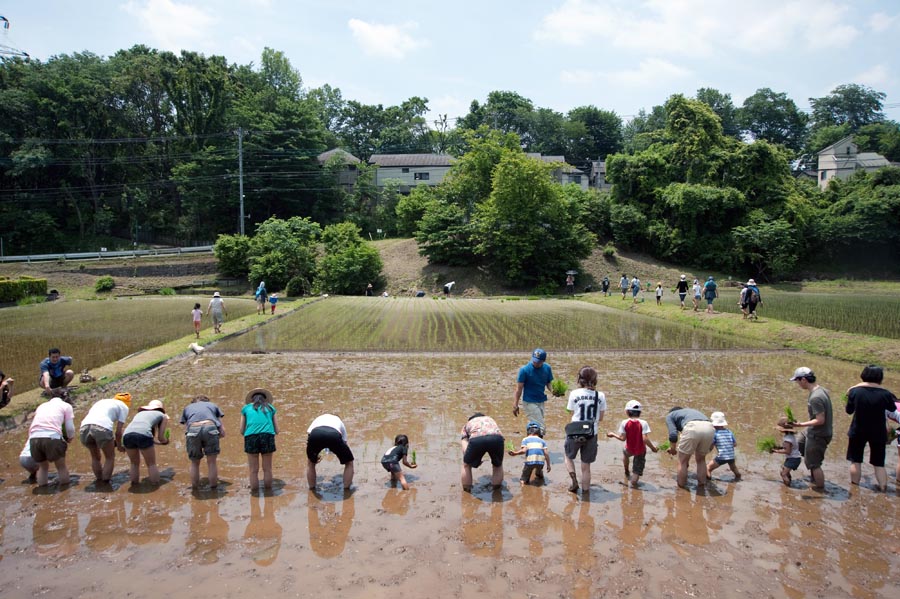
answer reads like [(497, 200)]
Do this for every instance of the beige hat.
[(258, 391), (751, 282), (718, 419), (216, 294), (153, 405)]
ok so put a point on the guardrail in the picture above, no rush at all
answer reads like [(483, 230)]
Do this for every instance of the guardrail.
[(102, 255)]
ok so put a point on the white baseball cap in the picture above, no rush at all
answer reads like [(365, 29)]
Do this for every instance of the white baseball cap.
[(633, 405)]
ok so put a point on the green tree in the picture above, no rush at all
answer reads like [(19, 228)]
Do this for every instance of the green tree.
[(445, 235), (768, 247), (773, 117), (411, 208), (854, 104), (526, 232), (603, 134), (232, 254), (283, 249), (722, 105), (350, 263)]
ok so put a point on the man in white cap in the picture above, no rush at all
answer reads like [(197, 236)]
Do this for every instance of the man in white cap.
[(819, 433), (531, 381)]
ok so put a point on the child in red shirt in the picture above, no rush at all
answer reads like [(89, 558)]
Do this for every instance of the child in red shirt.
[(635, 433)]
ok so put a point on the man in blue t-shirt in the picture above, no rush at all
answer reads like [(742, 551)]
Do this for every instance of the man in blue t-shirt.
[(53, 370), (533, 378)]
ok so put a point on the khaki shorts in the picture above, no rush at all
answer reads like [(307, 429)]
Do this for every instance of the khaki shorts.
[(534, 411), (698, 436), (93, 435), (45, 449), (814, 453)]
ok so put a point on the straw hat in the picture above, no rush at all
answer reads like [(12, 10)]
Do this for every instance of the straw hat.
[(258, 391), (153, 405)]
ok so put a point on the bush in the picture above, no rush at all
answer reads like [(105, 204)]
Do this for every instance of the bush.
[(31, 299), (167, 291), (609, 251), (350, 270), (12, 291), (104, 284), (297, 287), (232, 253)]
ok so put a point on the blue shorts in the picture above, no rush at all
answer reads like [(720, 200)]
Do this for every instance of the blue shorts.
[(792, 463), (634, 292)]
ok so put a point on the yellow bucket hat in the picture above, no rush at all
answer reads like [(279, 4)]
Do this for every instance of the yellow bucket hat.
[(125, 398)]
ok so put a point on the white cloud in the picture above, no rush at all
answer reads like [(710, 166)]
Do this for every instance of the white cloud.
[(173, 26), (699, 28), (385, 41), (452, 106), (650, 72), (880, 21), (875, 76)]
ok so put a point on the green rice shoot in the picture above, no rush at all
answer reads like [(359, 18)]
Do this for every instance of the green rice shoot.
[(558, 387), (789, 413), (845, 398), (413, 456), (766, 444), (510, 446), (664, 446)]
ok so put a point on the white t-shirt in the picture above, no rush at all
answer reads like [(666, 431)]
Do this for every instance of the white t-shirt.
[(659, 292), (696, 289), (331, 421), (645, 427), (197, 314), (105, 413), (795, 447), (581, 404)]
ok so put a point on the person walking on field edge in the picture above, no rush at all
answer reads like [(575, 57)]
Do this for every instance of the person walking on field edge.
[(711, 292), (533, 378), (819, 433), (682, 288), (217, 307), (696, 440)]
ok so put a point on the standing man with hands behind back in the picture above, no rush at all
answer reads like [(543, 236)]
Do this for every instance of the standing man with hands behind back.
[(533, 379)]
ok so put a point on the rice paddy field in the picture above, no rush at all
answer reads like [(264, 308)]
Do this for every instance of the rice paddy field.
[(436, 325), (862, 314), (96, 332)]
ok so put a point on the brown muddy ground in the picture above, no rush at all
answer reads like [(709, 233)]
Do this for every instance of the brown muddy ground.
[(753, 538)]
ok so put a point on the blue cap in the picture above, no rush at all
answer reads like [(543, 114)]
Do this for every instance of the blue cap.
[(539, 355), (534, 426)]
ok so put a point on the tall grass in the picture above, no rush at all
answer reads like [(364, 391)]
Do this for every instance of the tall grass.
[(853, 313)]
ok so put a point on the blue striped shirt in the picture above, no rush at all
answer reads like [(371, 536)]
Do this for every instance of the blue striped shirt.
[(725, 443), (534, 449)]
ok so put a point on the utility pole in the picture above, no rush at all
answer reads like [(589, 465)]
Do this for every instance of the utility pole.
[(240, 134)]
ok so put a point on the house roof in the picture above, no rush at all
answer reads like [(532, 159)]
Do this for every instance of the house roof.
[(347, 157), (564, 166), (412, 160), (871, 160), (838, 142)]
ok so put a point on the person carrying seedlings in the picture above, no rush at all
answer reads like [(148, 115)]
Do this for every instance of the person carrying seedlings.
[(790, 448), (273, 299), (753, 299), (682, 288), (725, 444), (54, 371), (635, 432), (150, 421), (391, 459), (479, 436), (710, 292), (659, 293), (51, 431), (101, 432), (259, 427), (587, 406), (327, 432), (203, 430), (623, 285), (536, 454), (819, 426), (532, 380), (197, 317)]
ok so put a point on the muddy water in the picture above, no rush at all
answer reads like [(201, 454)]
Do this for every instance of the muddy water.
[(754, 538)]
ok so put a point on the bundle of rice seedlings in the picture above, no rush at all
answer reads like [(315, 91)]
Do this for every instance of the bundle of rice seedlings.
[(766, 444), (558, 387)]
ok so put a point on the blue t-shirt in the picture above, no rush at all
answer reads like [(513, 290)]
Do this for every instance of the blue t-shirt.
[(535, 382), (258, 421), (534, 449), (56, 370), (725, 443)]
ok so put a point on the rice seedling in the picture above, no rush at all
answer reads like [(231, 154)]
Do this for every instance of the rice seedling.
[(558, 387), (790, 414), (766, 444), (509, 446), (413, 457), (845, 398), (664, 446)]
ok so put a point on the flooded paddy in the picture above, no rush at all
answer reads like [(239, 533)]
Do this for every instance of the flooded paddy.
[(753, 538)]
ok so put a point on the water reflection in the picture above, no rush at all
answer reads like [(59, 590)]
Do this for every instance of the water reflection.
[(55, 533), (397, 501), (207, 532), (149, 521), (262, 537), (685, 519), (532, 512), (634, 530), (104, 529), (328, 526), (578, 546), (481, 524)]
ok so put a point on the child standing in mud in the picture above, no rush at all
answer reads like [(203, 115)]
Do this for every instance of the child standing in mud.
[(790, 448), (536, 453), (725, 444), (635, 432), (391, 459), (197, 317), (259, 427)]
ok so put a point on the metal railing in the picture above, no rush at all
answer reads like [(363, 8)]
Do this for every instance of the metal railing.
[(103, 255)]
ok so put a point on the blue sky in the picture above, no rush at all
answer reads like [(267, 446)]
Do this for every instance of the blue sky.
[(617, 55)]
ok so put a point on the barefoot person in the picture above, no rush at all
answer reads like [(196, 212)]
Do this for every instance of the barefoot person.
[(54, 371), (533, 379), (259, 427), (691, 434), (150, 421), (203, 429), (869, 402), (478, 437), (587, 406), (819, 426), (51, 430), (327, 432), (101, 432)]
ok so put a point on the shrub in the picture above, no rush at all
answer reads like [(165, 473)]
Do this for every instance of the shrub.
[(609, 251), (297, 287), (11, 291), (350, 270), (232, 253), (104, 284), (31, 299), (167, 291)]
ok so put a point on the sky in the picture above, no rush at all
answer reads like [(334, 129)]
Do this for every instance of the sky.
[(620, 55)]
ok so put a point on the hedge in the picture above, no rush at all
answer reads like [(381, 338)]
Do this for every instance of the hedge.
[(12, 291)]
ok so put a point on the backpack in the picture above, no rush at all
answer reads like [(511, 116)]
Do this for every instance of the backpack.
[(753, 295)]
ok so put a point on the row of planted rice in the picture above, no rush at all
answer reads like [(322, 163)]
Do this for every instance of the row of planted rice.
[(861, 314), (95, 332), (425, 324)]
